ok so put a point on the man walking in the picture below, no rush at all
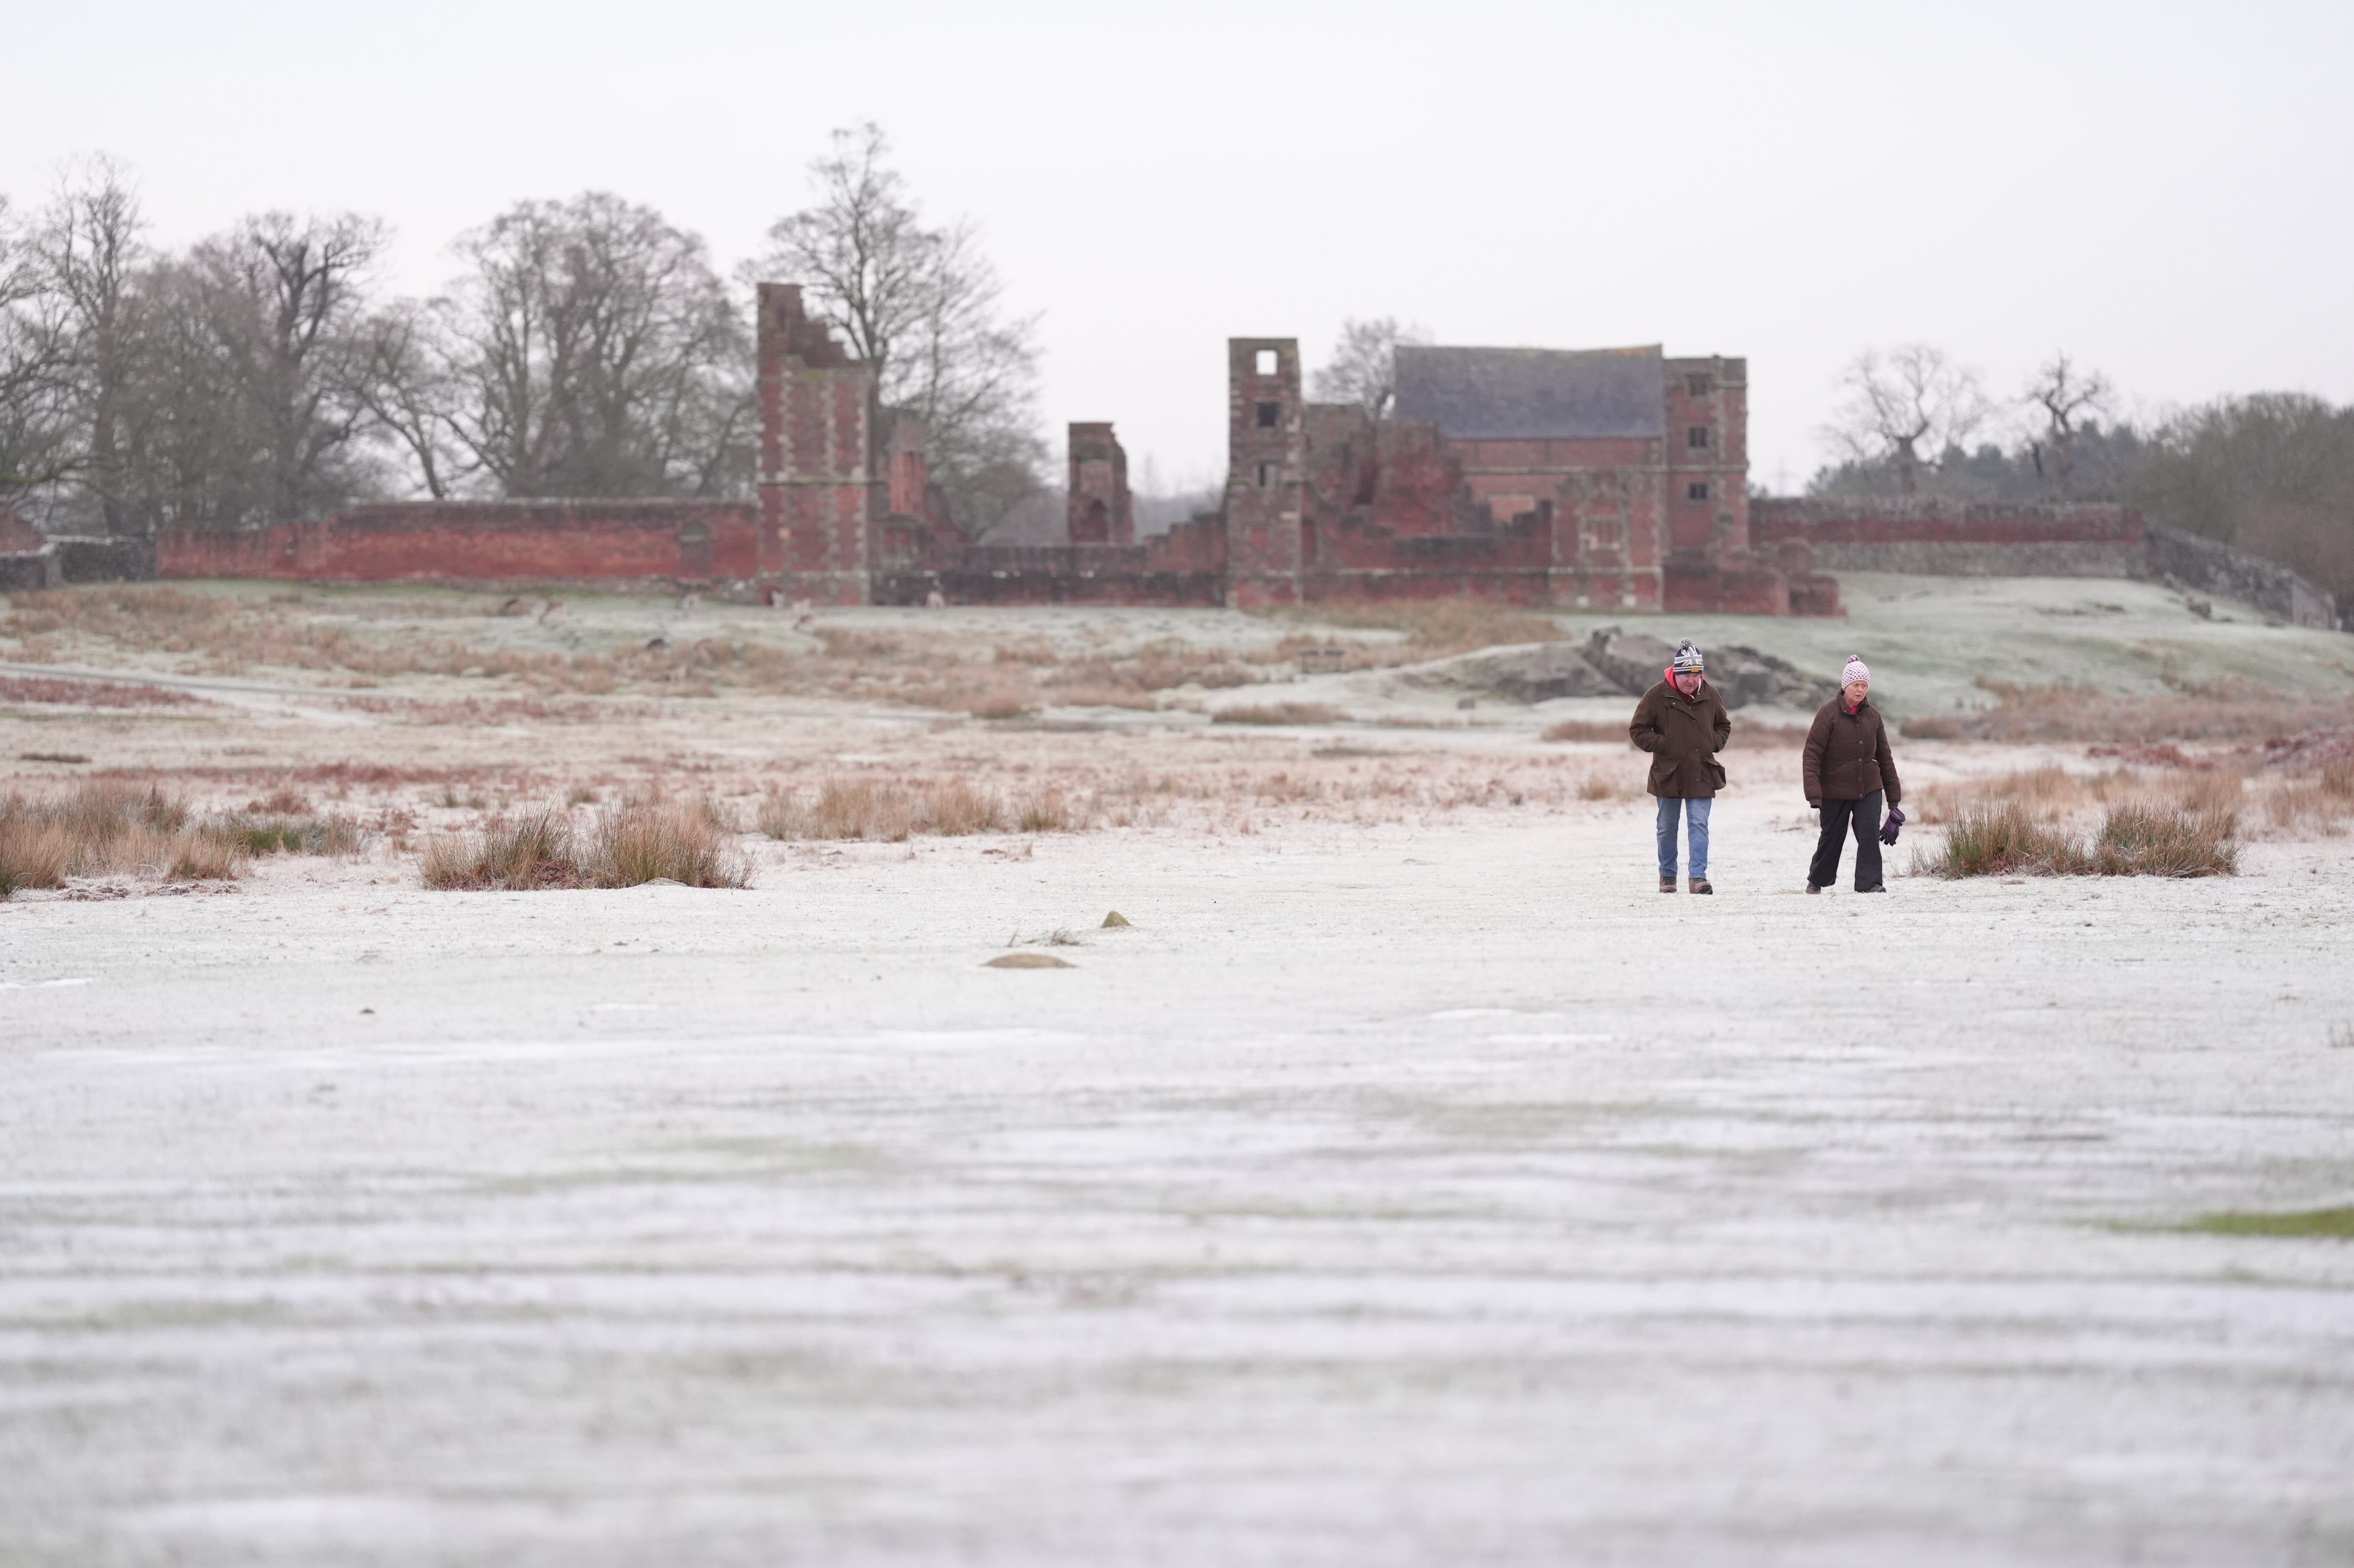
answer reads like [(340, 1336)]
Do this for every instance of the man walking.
[(1682, 723), (1850, 770)]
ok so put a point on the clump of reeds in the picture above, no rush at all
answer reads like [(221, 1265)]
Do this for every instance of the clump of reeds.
[(2137, 838), (631, 846), (2077, 714), (891, 811), (1586, 729), (627, 846), (2145, 839), (534, 850), (294, 835), (1276, 713), (2004, 839), (1436, 626), (2326, 801), (285, 822), (107, 827)]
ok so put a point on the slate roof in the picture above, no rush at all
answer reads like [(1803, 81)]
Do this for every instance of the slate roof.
[(1533, 393)]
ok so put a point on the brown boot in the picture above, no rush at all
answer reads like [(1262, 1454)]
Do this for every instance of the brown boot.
[(1812, 888), (1699, 885), (1666, 884)]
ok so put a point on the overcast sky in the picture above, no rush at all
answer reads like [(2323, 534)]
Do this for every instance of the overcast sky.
[(2166, 191)]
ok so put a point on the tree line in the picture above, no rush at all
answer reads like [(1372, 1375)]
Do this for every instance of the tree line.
[(2269, 473), (584, 348)]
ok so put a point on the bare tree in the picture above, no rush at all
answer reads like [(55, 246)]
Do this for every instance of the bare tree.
[(36, 381), (1907, 409), (2067, 398), (89, 252), (1363, 369), (926, 309), (281, 307), (401, 379), (592, 352)]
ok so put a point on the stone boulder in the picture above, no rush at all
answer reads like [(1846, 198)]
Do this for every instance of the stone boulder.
[(1633, 661), (1534, 674)]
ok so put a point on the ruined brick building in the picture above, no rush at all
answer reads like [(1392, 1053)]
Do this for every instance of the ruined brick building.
[(1617, 479), (1612, 479)]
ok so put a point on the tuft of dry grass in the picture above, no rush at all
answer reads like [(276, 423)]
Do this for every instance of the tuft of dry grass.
[(1046, 811), (843, 808), (2146, 839), (2079, 714), (2006, 839), (1587, 730), (107, 827), (999, 702), (531, 850), (627, 847), (2322, 802), (634, 845), (1436, 626), (2137, 838), (1278, 713), (891, 811), (294, 835)]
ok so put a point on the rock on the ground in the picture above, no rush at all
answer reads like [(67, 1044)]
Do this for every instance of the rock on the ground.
[(1634, 661), (1538, 673)]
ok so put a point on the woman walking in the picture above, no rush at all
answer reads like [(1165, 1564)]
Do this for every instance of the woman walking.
[(1682, 723), (1850, 774)]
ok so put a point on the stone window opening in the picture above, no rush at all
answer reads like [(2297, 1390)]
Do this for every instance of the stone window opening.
[(1699, 386), (1266, 476), (1264, 362), (1696, 491), (1696, 436), (1269, 413)]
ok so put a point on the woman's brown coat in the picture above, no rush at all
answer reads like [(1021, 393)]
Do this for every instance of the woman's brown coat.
[(1847, 754), (1683, 736)]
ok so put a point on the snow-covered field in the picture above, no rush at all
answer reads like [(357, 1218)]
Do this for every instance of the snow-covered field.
[(1409, 1183), (1392, 1195)]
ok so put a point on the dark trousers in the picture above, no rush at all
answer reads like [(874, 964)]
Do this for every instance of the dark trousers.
[(1864, 815)]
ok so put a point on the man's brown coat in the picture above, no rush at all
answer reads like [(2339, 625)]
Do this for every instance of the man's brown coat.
[(1683, 736)]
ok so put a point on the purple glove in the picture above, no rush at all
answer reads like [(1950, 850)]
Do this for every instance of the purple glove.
[(1890, 825)]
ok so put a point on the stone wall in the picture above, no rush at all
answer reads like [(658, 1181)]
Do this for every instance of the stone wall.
[(2206, 566), (24, 571), (1940, 538), (2083, 539), (112, 560)]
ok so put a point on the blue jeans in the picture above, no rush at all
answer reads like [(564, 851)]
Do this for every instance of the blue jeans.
[(1694, 812)]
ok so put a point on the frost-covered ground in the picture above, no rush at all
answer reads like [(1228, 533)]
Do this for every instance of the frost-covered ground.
[(1428, 1192), (1410, 1184)]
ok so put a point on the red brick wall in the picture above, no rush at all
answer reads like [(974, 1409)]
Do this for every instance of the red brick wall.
[(1926, 521), (663, 543)]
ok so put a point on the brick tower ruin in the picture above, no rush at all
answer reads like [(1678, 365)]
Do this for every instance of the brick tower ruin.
[(820, 418), (1100, 510)]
